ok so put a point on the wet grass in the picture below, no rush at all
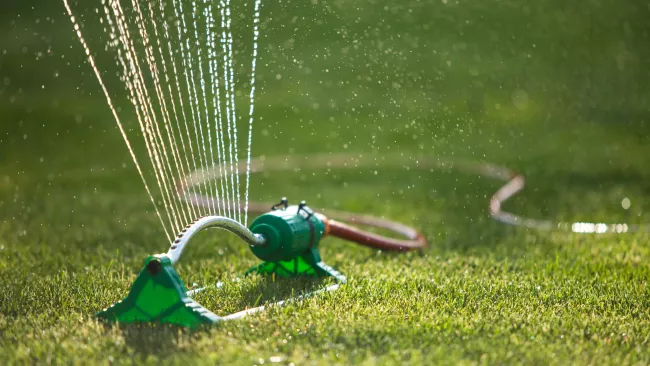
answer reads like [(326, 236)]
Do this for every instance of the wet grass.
[(556, 91)]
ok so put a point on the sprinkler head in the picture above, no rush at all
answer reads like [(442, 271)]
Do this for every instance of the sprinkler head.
[(290, 231)]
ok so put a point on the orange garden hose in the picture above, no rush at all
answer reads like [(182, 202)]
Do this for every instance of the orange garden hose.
[(339, 223), (372, 240)]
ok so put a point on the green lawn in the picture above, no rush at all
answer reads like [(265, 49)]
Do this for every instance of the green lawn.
[(557, 91)]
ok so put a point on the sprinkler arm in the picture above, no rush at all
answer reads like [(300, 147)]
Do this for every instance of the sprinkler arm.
[(207, 222)]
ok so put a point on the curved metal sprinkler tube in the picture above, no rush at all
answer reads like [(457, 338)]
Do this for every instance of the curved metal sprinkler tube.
[(209, 222)]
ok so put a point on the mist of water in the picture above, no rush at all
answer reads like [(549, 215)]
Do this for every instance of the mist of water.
[(176, 64)]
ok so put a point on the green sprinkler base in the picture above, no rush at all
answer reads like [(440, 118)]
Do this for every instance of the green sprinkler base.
[(158, 294), (308, 264)]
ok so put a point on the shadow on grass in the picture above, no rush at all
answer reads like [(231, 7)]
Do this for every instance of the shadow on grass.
[(254, 291), (156, 339), (270, 291)]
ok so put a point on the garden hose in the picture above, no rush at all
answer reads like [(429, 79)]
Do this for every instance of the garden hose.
[(514, 184)]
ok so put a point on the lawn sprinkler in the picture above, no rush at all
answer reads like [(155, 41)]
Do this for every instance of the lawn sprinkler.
[(286, 239)]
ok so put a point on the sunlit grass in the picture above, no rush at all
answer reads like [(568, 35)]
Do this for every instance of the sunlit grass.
[(76, 225)]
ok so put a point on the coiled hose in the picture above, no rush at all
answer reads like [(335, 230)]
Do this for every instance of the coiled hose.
[(340, 223)]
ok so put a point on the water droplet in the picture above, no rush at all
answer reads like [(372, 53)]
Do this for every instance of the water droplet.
[(520, 99), (625, 203)]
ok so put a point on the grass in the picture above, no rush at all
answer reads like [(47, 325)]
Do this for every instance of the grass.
[(555, 90)]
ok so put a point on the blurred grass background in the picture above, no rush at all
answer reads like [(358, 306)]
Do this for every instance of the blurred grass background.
[(558, 91)]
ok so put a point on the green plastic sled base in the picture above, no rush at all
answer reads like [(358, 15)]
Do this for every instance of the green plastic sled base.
[(158, 294)]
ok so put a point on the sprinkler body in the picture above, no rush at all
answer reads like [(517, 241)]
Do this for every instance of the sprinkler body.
[(286, 239), (292, 236), (289, 232)]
